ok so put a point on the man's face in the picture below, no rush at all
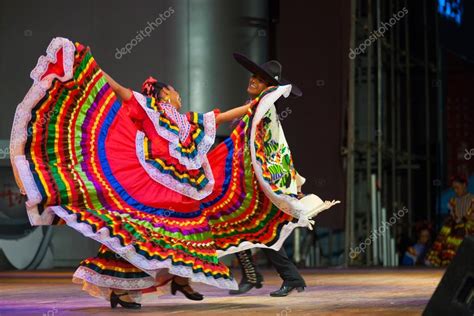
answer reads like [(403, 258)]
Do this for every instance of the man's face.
[(256, 86)]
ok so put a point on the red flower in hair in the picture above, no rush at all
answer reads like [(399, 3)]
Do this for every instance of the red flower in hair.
[(147, 86)]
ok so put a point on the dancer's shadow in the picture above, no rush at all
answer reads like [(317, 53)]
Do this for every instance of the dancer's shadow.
[(167, 309)]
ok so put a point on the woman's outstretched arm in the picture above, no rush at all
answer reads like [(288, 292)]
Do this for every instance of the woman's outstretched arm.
[(232, 114), (122, 92)]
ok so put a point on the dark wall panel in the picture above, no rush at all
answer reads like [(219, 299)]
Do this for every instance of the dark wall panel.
[(312, 43)]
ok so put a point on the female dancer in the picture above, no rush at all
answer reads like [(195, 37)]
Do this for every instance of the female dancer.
[(119, 268), (138, 177), (460, 223)]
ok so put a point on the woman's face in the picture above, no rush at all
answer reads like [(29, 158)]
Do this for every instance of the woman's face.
[(171, 96), (459, 188), (256, 86)]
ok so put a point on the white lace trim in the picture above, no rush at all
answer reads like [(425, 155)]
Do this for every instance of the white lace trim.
[(152, 267), (108, 281), (24, 172), (285, 203), (168, 181), (101, 286), (284, 234), (180, 119), (19, 131), (204, 145)]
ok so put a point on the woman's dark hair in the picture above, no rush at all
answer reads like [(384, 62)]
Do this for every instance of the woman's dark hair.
[(459, 179), (152, 87)]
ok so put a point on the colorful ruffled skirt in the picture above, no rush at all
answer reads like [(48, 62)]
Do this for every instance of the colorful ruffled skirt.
[(82, 162)]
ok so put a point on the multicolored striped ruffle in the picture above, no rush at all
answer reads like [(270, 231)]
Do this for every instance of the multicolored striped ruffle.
[(77, 154), (197, 183)]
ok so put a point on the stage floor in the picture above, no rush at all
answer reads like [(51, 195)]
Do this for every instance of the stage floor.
[(329, 292)]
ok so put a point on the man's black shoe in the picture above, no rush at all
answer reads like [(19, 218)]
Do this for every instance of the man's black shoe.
[(285, 290), (245, 286)]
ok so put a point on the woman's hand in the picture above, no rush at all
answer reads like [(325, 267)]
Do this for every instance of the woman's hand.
[(171, 96), (122, 92), (232, 114)]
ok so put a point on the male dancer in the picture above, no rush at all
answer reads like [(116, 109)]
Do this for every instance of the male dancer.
[(263, 76)]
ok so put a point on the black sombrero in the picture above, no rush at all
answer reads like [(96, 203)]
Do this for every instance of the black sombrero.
[(270, 71)]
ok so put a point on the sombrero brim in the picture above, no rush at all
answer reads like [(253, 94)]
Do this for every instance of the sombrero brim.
[(295, 91), (257, 70)]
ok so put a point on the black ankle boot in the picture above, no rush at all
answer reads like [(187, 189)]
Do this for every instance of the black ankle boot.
[(115, 299), (250, 277), (186, 290)]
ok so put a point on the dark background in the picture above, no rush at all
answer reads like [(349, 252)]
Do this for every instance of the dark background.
[(313, 51)]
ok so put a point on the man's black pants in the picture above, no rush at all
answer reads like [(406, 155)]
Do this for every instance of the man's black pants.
[(284, 266)]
